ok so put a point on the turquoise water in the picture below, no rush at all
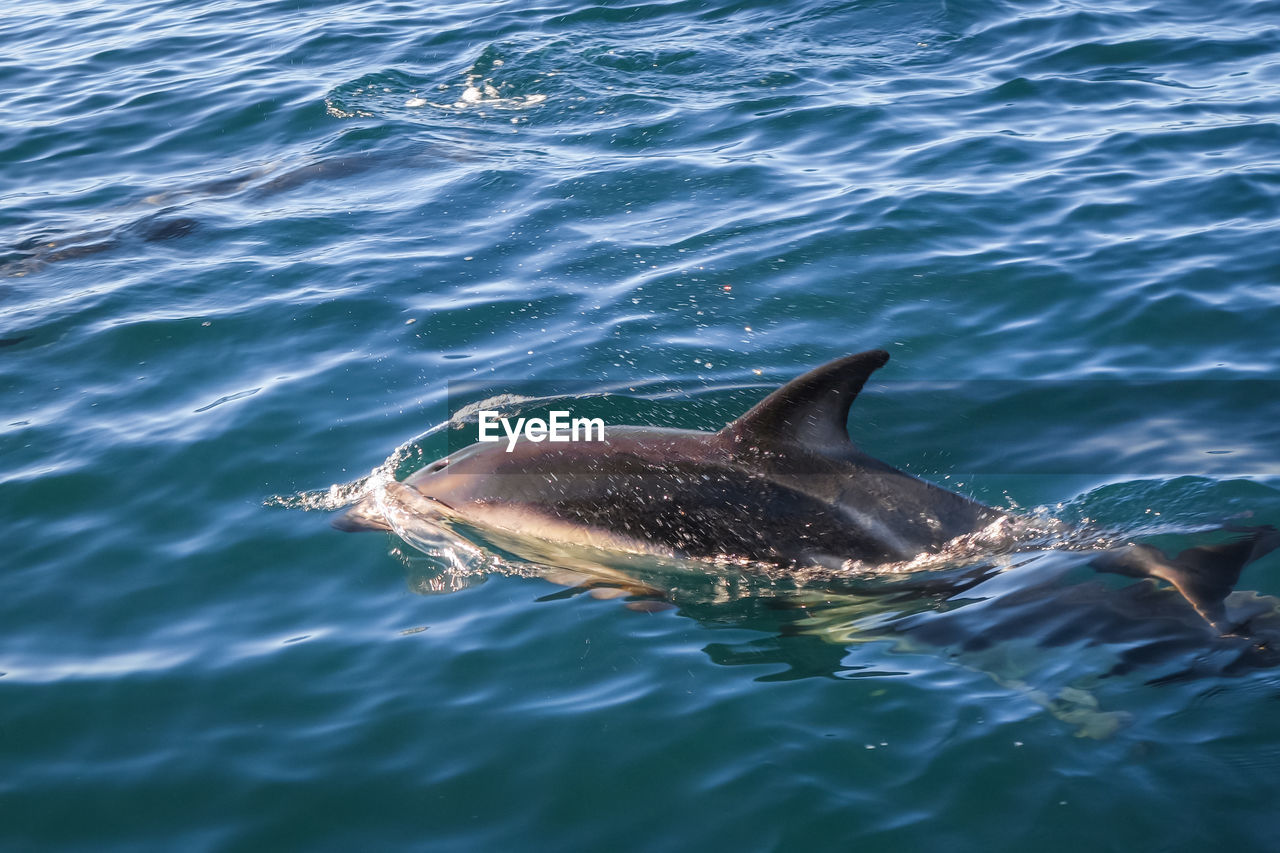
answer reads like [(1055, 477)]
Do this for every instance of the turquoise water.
[(247, 249)]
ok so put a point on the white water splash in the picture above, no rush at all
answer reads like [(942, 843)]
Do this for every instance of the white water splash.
[(478, 92)]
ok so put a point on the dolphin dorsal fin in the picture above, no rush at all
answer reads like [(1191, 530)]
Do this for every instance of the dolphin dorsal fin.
[(812, 409)]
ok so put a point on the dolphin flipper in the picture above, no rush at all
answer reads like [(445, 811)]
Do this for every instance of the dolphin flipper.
[(1205, 575)]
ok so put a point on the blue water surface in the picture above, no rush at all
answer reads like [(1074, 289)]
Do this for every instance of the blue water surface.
[(247, 249)]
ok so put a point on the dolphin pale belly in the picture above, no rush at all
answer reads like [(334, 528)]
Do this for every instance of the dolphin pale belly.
[(782, 485)]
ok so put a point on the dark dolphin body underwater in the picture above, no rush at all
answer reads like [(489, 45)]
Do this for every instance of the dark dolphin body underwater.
[(784, 486)]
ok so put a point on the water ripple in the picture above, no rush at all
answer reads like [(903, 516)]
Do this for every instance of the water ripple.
[(248, 250)]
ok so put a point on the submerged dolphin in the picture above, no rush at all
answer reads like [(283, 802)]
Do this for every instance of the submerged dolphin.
[(783, 484)]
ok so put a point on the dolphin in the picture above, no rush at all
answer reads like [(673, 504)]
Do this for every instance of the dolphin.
[(783, 484), (34, 253)]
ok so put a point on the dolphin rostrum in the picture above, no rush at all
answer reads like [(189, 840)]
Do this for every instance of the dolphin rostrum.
[(783, 484)]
